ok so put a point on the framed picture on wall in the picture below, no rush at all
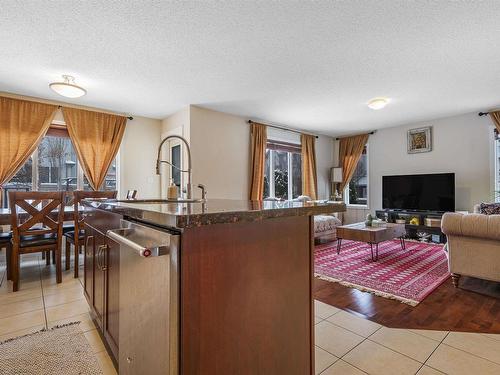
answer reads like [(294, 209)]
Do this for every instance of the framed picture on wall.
[(420, 140)]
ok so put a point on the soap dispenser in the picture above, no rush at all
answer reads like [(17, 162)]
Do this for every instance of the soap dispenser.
[(172, 190)]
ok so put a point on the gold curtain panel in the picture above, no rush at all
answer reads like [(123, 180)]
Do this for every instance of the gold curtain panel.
[(309, 174), (495, 117), (22, 125), (351, 149), (96, 138), (258, 136)]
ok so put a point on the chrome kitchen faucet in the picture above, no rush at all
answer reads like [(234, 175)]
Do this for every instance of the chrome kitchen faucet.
[(189, 188)]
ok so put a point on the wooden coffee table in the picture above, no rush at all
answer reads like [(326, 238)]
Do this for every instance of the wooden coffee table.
[(372, 236)]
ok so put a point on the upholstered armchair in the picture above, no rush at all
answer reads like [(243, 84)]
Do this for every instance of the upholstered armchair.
[(325, 226), (473, 246)]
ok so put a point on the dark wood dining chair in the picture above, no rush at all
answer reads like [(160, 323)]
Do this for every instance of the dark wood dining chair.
[(36, 221), (5, 243), (77, 240), (131, 194)]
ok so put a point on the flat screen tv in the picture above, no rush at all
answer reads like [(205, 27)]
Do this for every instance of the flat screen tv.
[(421, 192)]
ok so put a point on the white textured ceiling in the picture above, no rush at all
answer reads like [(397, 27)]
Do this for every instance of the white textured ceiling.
[(310, 65)]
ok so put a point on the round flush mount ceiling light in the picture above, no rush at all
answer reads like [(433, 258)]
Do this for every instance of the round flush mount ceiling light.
[(68, 88), (378, 103)]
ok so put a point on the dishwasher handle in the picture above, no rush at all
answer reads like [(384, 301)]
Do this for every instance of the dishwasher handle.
[(116, 235)]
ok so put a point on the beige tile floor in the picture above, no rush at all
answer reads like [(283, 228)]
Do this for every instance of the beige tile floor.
[(345, 343), (349, 344), (42, 303)]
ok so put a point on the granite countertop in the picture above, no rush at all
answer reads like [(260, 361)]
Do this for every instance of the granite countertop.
[(213, 211)]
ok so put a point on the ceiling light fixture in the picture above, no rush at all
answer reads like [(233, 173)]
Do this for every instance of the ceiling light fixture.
[(68, 88), (378, 103)]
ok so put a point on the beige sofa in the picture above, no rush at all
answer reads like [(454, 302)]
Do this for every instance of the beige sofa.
[(473, 246)]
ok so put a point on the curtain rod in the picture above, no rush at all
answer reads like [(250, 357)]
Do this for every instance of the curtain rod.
[(483, 113), (338, 138), (129, 117), (281, 127)]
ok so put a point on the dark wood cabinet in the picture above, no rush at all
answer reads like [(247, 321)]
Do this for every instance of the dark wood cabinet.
[(88, 266), (99, 277), (411, 230), (94, 272), (112, 292), (253, 279), (102, 279)]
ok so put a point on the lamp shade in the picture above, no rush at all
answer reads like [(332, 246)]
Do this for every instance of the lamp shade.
[(336, 174)]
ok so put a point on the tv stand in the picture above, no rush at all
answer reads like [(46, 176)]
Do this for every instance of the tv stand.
[(392, 216)]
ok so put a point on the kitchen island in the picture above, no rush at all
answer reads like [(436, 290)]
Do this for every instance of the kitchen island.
[(239, 296)]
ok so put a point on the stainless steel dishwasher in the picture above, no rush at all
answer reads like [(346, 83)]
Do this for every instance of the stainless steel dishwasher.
[(149, 300)]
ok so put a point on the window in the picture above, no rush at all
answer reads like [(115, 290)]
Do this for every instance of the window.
[(54, 166), (283, 170), (110, 181), (57, 164), (22, 181), (497, 166), (356, 192)]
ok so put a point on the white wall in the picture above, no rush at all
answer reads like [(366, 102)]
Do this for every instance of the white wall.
[(324, 161), (176, 124), (138, 158), (461, 144), (221, 154), (220, 146)]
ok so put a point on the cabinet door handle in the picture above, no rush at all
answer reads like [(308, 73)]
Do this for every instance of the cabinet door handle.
[(101, 252), (104, 262), (98, 257), (87, 242)]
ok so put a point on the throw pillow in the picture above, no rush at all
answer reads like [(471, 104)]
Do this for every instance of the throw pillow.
[(489, 208)]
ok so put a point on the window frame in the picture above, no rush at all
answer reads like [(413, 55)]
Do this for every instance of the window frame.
[(290, 149), (346, 189)]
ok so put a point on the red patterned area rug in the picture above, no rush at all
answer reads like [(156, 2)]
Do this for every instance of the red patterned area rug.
[(405, 275)]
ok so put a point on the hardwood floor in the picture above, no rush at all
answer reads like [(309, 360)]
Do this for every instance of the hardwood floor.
[(474, 307)]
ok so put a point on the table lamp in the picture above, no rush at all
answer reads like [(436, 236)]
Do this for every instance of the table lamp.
[(336, 178)]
